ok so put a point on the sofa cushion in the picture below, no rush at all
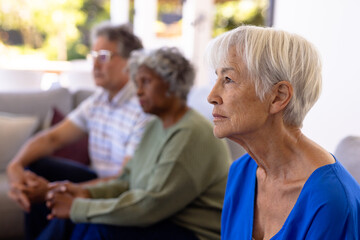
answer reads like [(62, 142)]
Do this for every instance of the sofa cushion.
[(15, 130), (77, 151), (36, 103)]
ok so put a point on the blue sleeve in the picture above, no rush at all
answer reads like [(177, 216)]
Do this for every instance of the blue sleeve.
[(333, 207), (333, 223)]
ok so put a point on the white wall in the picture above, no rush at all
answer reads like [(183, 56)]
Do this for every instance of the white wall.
[(197, 24), (333, 26)]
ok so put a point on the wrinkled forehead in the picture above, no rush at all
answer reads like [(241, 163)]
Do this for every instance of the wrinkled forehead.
[(229, 60), (225, 54)]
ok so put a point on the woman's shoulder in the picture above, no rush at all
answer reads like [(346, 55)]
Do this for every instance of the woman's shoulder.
[(332, 187), (326, 208)]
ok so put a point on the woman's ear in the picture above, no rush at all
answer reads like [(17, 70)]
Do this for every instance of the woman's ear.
[(282, 93)]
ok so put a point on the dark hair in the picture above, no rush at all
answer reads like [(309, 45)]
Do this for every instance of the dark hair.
[(122, 34)]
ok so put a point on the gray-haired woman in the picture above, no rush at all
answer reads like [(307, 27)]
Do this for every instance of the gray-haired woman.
[(173, 188), (287, 186)]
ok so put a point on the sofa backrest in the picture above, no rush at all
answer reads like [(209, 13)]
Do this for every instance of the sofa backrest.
[(36, 103), (25, 80), (81, 95), (348, 154)]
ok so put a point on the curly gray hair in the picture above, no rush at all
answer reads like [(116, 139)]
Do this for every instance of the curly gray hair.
[(272, 56), (169, 64)]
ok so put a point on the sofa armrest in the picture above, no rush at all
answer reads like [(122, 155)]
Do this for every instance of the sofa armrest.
[(11, 215)]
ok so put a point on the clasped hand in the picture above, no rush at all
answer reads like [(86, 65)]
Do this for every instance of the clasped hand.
[(61, 196), (28, 188)]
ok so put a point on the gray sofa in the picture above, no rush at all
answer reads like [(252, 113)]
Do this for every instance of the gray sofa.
[(348, 153), (21, 115), (24, 113)]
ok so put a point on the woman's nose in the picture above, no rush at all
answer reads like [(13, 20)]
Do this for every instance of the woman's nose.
[(214, 97), (139, 91)]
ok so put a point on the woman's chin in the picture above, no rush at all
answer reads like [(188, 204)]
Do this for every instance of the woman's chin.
[(145, 108), (218, 133)]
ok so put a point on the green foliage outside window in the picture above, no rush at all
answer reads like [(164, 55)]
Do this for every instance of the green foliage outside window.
[(231, 14), (60, 29), (57, 28)]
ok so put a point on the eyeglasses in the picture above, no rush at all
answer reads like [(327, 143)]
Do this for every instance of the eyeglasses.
[(103, 56)]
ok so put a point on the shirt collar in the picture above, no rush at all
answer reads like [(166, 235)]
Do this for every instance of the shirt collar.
[(127, 92)]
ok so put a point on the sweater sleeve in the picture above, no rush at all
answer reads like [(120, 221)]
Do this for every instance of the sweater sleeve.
[(170, 188)]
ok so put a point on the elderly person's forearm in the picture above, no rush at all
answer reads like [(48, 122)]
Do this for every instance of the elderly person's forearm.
[(138, 207)]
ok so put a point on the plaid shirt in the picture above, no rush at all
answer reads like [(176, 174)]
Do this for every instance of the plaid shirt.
[(115, 127)]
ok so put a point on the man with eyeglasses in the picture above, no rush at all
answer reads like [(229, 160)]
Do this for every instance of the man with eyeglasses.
[(112, 117)]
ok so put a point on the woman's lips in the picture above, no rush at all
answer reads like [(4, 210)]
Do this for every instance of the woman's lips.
[(142, 102), (218, 117)]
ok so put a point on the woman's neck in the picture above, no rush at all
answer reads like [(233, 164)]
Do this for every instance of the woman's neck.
[(175, 113), (285, 153)]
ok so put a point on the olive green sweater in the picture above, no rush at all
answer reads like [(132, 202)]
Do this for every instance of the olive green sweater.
[(178, 173)]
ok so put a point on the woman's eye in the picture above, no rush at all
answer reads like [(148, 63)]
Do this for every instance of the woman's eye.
[(227, 80), (146, 81)]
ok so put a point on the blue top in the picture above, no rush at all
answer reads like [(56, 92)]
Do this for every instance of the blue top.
[(328, 206)]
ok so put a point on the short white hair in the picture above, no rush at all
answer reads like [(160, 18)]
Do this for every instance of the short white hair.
[(271, 56)]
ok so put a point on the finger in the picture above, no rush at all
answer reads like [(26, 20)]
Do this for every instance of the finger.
[(19, 190), (20, 199), (60, 189), (51, 193), (51, 199), (29, 190), (53, 213), (50, 216), (49, 204), (17, 186), (36, 181), (49, 196), (24, 201), (71, 188), (28, 173), (32, 183), (12, 195), (57, 184), (53, 185), (31, 178), (63, 188)]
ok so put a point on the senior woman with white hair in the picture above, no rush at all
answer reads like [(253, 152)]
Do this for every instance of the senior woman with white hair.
[(173, 188), (286, 186)]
